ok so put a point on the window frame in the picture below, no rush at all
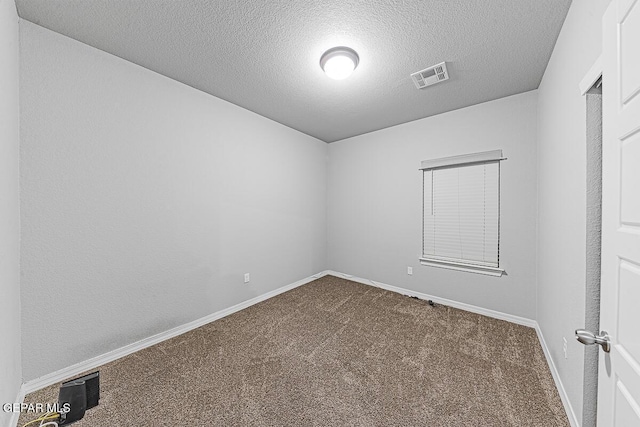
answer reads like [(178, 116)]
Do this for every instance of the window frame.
[(455, 263)]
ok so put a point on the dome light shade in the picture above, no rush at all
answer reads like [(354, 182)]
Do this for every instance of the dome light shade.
[(339, 62)]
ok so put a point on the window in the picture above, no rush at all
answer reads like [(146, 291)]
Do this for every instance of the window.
[(461, 213)]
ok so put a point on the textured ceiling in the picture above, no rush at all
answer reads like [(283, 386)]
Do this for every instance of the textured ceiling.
[(264, 55)]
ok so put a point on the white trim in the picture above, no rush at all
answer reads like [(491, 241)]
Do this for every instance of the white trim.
[(462, 266), (461, 305), (571, 415), (463, 159), (592, 76), (73, 370), (33, 385), (15, 417)]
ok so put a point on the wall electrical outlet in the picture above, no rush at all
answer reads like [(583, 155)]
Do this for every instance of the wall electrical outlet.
[(564, 346), (410, 271), (247, 277)]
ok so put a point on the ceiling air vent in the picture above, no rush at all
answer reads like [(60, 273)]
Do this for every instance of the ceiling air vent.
[(430, 76)]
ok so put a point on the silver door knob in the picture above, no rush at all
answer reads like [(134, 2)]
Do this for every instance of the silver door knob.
[(589, 338)]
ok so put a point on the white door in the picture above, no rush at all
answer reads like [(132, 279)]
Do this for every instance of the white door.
[(619, 370)]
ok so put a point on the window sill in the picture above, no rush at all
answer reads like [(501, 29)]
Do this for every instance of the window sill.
[(459, 266)]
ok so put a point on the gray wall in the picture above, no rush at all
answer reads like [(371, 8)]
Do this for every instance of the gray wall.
[(562, 192), (144, 202), (10, 364), (593, 255), (375, 203)]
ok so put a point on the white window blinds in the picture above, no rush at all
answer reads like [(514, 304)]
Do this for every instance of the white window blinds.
[(461, 214)]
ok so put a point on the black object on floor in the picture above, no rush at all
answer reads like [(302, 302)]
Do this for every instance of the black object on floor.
[(78, 395)]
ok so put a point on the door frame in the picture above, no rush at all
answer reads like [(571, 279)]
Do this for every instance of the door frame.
[(592, 76), (592, 284)]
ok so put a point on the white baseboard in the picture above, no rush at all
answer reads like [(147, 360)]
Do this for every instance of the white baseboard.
[(461, 305), (73, 370), (573, 420), (54, 377), (13, 421)]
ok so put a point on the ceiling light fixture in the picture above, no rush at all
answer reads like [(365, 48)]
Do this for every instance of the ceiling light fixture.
[(339, 62)]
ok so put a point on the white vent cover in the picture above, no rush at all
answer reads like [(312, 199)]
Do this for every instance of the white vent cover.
[(430, 76)]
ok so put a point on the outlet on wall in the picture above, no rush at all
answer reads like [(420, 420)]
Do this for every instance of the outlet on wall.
[(564, 346), (410, 271), (247, 277)]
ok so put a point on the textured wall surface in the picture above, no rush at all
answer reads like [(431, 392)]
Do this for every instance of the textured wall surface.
[(144, 201), (375, 203), (264, 55), (594, 233), (562, 192), (10, 364)]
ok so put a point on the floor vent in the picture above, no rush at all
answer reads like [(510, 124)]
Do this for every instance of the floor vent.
[(430, 76)]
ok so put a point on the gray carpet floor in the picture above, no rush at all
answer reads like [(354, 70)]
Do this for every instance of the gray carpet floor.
[(333, 353)]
